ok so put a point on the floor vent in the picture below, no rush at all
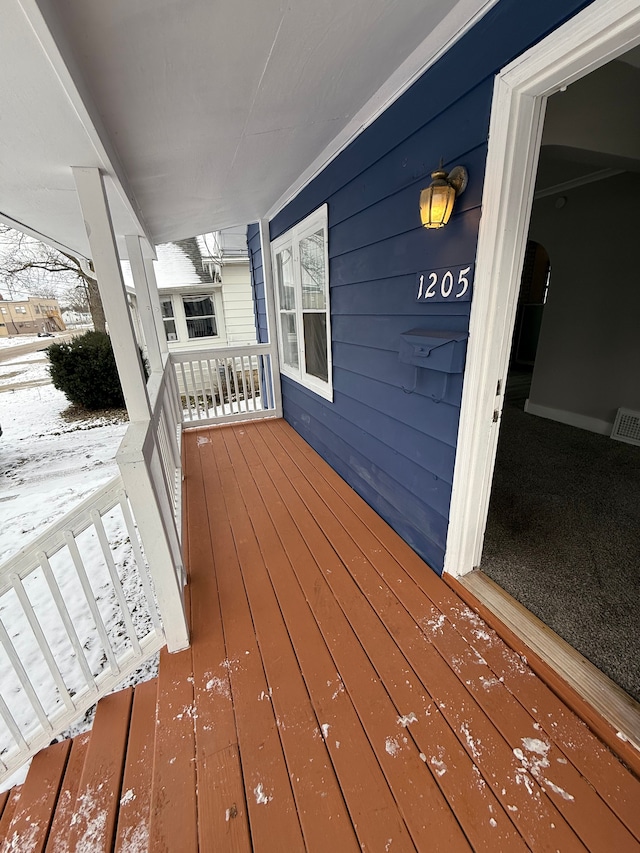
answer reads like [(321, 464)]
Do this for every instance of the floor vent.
[(627, 426)]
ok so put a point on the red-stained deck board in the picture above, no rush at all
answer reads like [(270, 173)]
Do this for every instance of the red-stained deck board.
[(222, 809), (29, 827), (518, 689), (4, 796), (173, 823), (8, 812), (98, 797), (135, 801), (422, 806), (58, 841)]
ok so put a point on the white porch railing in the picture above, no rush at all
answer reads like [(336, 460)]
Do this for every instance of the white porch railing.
[(101, 590), (221, 385), (78, 614)]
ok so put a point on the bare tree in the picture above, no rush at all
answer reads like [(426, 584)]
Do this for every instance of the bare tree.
[(28, 266)]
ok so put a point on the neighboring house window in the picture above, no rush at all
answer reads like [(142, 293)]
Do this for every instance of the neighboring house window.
[(301, 265), (168, 319), (200, 316)]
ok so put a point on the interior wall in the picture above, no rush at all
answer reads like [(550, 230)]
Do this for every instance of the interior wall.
[(588, 358)]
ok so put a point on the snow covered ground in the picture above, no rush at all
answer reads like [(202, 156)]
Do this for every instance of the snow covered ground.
[(47, 462), (50, 459)]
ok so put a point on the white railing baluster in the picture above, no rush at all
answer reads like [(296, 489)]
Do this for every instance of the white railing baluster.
[(23, 678), (42, 641), (137, 552), (253, 385), (214, 405), (203, 388), (234, 374), (221, 380), (66, 620), (11, 724), (115, 580), (196, 402), (185, 386), (243, 376), (91, 601)]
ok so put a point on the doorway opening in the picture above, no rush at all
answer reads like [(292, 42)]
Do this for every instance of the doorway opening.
[(563, 530), (578, 178)]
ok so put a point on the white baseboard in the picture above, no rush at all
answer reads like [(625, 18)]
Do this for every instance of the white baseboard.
[(571, 418)]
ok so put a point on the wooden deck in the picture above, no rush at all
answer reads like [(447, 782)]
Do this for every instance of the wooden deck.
[(337, 696)]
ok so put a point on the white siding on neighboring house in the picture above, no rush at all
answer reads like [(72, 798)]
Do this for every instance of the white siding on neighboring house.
[(238, 303)]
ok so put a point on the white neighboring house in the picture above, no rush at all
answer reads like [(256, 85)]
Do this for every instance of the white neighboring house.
[(205, 292)]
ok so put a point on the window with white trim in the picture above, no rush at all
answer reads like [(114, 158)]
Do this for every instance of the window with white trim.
[(200, 316), (168, 319), (301, 271)]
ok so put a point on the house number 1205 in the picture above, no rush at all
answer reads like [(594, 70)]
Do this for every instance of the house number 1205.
[(445, 285)]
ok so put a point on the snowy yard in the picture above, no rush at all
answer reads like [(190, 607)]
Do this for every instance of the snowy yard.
[(51, 459)]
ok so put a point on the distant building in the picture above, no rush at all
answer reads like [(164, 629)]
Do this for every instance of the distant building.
[(30, 316)]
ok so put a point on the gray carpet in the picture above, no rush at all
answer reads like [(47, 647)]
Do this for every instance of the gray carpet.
[(563, 536)]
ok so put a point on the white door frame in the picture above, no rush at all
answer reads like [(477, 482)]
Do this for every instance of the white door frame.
[(602, 31)]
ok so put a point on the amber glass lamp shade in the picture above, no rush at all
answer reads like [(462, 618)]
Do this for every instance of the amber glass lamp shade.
[(436, 201)]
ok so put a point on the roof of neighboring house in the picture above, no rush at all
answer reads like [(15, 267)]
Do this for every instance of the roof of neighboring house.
[(192, 261), (179, 264)]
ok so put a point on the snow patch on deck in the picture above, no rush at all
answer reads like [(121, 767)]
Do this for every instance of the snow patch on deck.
[(392, 746), (474, 744), (433, 624), (127, 797), (261, 797), (535, 763), (94, 819)]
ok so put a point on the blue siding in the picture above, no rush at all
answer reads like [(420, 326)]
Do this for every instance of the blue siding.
[(397, 449), (257, 282)]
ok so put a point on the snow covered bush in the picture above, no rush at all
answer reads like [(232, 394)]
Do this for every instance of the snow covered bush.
[(85, 371)]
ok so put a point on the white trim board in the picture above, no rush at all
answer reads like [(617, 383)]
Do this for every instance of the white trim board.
[(598, 34), (573, 419), (618, 708)]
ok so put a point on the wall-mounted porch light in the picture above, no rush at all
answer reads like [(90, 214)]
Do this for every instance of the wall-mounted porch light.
[(436, 201)]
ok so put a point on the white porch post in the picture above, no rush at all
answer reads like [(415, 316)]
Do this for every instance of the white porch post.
[(137, 457), (145, 308), (93, 201), (272, 324), (155, 306)]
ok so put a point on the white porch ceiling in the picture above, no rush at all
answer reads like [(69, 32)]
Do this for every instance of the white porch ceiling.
[(202, 114)]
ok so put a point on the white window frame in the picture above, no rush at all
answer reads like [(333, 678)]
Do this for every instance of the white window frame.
[(316, 221), (180, 319), (216, 322)]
